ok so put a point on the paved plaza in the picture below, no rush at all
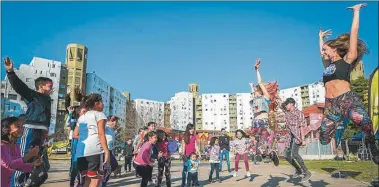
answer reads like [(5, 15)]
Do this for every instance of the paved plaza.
[(264, 175)]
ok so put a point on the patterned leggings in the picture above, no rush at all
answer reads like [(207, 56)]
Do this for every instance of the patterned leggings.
[(347, 105), (265, 135), (164, 164)]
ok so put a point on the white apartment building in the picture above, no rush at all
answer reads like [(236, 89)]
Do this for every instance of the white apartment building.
[(181, 106), (316, 93), (38, 67), (244, 112), (149, 111), (295, 93), (215, 111)]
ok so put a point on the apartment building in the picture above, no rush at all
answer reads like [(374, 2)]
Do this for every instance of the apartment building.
[(181, 110), (215, 114)]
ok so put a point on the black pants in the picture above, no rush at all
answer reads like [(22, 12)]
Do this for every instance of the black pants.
[(145, 173), (293, 157), (192, 179), (128, 163), (214, 166)]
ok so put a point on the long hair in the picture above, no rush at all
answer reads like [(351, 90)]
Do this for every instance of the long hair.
[(342, 42), (161, 134), (242, 132), (5, 127), (91, 100), (213, 141), (187, 133)]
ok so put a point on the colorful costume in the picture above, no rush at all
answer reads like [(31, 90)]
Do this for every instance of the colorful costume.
[(261, 127)]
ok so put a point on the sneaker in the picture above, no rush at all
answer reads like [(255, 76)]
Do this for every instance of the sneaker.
[(247, 174), (220, 170), (275, 158), (306, 177), (235, 174), (219, 180), (151, 183), (374, 152), (229, 170), (210, 180), (297, 175)]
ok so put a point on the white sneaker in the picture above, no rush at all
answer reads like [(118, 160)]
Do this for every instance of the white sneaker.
[(247, 174), (235, 174)]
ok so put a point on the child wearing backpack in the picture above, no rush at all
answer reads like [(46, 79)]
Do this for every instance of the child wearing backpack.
[(164, 161)]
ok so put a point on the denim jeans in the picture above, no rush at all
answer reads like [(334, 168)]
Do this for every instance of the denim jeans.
[(224, 153), (292, 156)]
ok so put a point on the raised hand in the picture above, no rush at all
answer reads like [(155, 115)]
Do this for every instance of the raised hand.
[(257, 64), (323, 34), (251, 85), (357, 7), (70, 109), (8, 64)]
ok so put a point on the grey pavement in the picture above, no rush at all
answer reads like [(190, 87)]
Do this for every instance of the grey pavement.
[(264, 175)]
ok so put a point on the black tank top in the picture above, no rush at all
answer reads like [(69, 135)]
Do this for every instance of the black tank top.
[(338, 70)]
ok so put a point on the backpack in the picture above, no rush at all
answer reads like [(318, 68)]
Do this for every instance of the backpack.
[(172, 146)]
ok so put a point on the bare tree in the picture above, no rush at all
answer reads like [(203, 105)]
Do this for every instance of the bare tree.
[(131, 121), (152, 113)]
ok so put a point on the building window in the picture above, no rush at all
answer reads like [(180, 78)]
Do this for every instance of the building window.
[(53, 75), (71, 53), (28, 79), (40, 72), (36, 72), (53, 65), (12, 97)]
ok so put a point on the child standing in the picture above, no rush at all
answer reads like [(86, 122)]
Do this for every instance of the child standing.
[(143, 163), (128, 152), (10, 151), (92, 150), (214, 158), (164, 161), (240, 150), (193, 165), (110, 133)]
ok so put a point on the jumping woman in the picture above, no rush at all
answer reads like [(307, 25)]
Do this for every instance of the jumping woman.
[(340, 56), (263, 101)]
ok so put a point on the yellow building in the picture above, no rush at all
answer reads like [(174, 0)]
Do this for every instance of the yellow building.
[(127, 95), (357, 72), (305, 96), (167, 115), (76, 61), (194, 89), (233, 112)]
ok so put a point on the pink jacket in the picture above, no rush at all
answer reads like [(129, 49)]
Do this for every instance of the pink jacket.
[(11, 160), (144, 154)]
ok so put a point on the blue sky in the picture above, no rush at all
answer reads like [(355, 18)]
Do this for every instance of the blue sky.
[(155, 49)]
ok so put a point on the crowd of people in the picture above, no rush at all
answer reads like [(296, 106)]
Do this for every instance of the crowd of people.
[(24, 160)]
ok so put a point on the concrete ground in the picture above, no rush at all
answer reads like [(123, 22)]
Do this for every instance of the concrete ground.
[(264, 175)]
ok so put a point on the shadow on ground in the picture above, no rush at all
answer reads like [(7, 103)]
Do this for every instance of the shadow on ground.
[(296, 182), (352, 174)]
